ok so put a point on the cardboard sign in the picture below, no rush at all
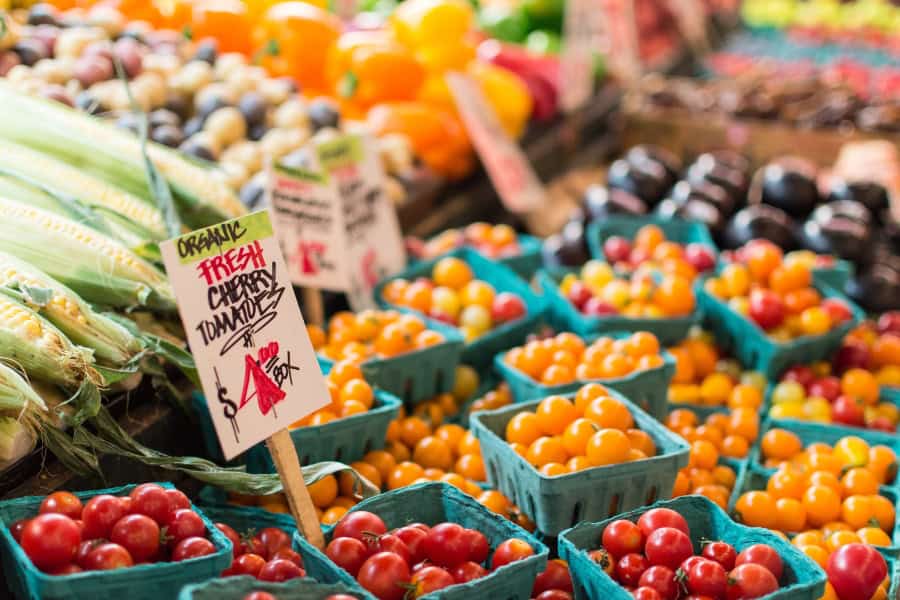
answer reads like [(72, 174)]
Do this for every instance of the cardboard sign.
[(621, 29), (244, 327), (576, 66), (373, 244), (519, 188), (310, 225)]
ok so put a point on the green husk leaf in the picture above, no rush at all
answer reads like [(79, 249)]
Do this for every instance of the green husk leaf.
[(39, 296), (87, 404), (162, 348)]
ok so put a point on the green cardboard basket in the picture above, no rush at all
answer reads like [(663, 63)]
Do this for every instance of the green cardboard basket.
[(236, 588), (676, 230)]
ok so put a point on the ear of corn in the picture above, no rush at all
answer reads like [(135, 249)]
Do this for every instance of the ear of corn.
[(112, 344), (97, 268), (17, 397), (113, 155), (16, 440), (42, 351), (56, 176)]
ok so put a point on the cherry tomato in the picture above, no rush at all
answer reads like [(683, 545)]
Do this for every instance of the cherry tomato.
[(139, 534), (656, 518), (177, 499), (668, 547), (468, 571), (85, 548), (706, 578), (630, 568), (507, 307), (622, 537), (255, 546), (237, 547), (849, 410), (192, 547), (390, 543), (661, 579), (259, 596), (413, 537), (430, 579), (749, 581), (100, 514), (447, 545), (151, 500), (510, 551), (722, 553), (603, 558), (646, 593), (855, 571), (479, 548), (16, 529), (185, 523), (63, 503), (555, 577), (347, 553), (766, 308), (50, 540), (273, 540), (108, 556), (357, 523), (279, 569), (247, 564), (289, 554), (761, 554), (554, 595), (341, 597), (384, 574)]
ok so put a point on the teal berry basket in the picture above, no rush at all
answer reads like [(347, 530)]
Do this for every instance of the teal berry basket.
[(557, 503), (524, 264), (802, 578), (836, 276), (140, 582), (433, 503), (563, 315), (418, 375), (830, 434), (752, 347), (675, 230), (755, 478), (237, 588), (648, 388), (480, 352)]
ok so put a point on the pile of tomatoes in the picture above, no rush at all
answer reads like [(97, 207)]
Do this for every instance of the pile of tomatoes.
[(151, 524), (495, 241), (453, 295), (654, 559), (415, 560), (875, 347), (566, 357), (350, 395), (650, 247), (268, 596), (267, 555), (372, 334)]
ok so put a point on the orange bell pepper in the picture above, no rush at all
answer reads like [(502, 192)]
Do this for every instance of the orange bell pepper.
[(437, 136), (294, 39), (175, 14), (225, 20), (366, 68)]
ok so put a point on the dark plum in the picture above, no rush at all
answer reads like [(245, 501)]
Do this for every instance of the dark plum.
[(760, 221), (789, 184)]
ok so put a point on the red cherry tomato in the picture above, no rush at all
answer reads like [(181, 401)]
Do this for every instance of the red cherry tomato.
[(630, 568), (430, 579), (622, 537), (273, 540), (177, 499), (706, 578), (603, 558), (259, 596), (855, 571), (479, 548), (358, 523), (185, 523), (646, 593), (384, 574), (289, 554), (247, 564), (447, 545), (661, 579), (85, 548), (668, 547), (151, 500), (63, 503), (279, 569), (139, 534), (555, 577), (50, 540), (761, 554), (106, 557), (749, 581), (100, 514), (766, 308), (347, 553), (192, 547), (468, 571), (510, 551), (849, 410), (722, 553), (341, 597), (390, 543), (657, 518), (237, 547), (554, 595), (413, 537)]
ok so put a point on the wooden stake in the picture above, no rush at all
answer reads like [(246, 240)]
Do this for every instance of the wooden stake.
[(313, 307), (284, 455)]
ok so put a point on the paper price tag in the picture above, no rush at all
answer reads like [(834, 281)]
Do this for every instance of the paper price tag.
[(580, 32), (373, 243), (244, 327), (511, 174), (310, 225)]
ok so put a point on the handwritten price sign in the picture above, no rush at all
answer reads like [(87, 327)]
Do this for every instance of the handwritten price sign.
[(580, 37), (256, 363)]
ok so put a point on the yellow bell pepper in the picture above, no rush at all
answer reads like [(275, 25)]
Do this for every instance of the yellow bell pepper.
[(506, 93), (418, 23)]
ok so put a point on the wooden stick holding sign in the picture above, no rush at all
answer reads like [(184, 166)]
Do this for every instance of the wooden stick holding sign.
[(256, 363), (314, 306)]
